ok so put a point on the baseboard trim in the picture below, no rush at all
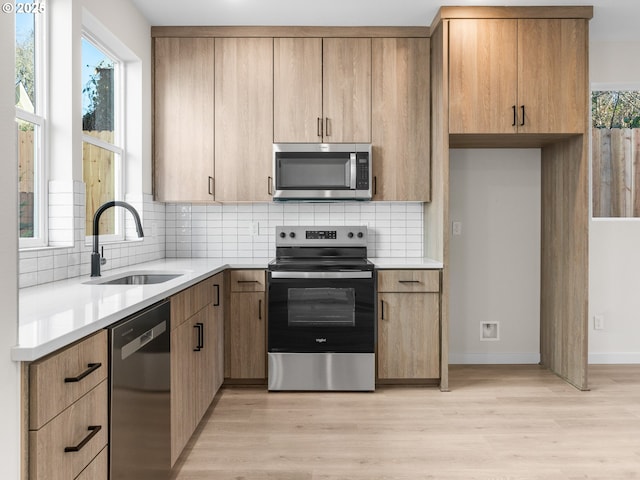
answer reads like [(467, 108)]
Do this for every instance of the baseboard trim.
[(494, 358), (614, 358)]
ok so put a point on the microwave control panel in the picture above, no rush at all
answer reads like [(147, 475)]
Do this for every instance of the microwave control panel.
[(362, 171)]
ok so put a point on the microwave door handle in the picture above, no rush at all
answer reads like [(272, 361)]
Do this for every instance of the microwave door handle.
[(352, 178)]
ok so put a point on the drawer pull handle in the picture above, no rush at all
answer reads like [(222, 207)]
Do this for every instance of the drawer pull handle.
[(409, 281), (92, 368), (217, 302), (248, 281), (94, 429)]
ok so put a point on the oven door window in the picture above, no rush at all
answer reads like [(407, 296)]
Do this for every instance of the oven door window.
[(321, 307)]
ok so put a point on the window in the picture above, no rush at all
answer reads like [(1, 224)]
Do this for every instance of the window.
[(30, 102), (102, 151), (616, 153)]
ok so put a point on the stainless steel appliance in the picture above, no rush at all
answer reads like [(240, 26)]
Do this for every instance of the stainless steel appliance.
[(322, 171), (140, 396), (321, 330)]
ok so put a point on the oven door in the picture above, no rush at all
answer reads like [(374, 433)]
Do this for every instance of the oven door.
[(321, 312)]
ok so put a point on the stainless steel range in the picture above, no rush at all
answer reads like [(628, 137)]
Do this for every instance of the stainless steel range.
[(321, 331)]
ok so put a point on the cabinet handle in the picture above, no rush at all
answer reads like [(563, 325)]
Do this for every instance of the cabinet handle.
[(260, 309), (92, 368), (327, 132), (200, 328), (522, 108), (319, 127), (381, 309), (248, 281), (409, 281), (212, 186), (375, 184), (269, 186), (515, 116), (217, 302), (94, 429)]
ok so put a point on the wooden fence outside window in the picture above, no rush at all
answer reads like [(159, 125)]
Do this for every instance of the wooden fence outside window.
[(616, 172)]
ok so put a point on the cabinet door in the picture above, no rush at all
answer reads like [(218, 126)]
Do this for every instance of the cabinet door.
[(483, 75), (552, 75), (400, 126), (346, 89), (297, 89), (408, 335), (205, 359), (183, 119), (184, 382), (243, 118), (247, 335)]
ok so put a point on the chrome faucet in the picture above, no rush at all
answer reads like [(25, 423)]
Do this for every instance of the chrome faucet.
[(96, 258)]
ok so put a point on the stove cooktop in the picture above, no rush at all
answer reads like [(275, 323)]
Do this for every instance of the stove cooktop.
[(315, 264)]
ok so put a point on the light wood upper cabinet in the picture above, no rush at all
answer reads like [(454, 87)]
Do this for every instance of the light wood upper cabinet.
[(517, 76), (552, 75), (346, 89), (400, 126), (206, 85), (183, 119), (243, 118), (297, 94), (322, 90), (483, 69)]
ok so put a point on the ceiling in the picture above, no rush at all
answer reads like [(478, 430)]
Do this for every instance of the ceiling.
[(614, 20)]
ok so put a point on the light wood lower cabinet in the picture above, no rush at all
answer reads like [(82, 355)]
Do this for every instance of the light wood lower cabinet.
[(68, 411), (197, 361), (408, 324), (247, 322)]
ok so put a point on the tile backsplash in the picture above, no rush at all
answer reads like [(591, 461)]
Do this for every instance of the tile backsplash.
[(248, 230), (69, 255), (189, 230)]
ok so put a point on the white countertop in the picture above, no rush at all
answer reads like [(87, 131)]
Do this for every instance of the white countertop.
[(54, 315)]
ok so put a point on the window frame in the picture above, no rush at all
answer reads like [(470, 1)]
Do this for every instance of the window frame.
[(119, 127), (39, 118)]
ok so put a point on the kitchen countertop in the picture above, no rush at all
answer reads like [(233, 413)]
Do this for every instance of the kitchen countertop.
[(54, 315)]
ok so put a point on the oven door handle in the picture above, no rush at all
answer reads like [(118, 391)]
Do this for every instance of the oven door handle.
[(323, 275)]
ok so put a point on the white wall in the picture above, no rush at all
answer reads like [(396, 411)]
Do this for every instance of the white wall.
[(495, 262), (9, 371), (614, 245)]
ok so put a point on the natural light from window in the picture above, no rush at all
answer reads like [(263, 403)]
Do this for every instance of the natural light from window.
[(101, 150)]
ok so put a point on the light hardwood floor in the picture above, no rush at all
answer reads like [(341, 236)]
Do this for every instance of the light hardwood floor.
[(497, 422)]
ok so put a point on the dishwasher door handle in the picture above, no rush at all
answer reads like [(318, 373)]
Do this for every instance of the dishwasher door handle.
[(137, 343)]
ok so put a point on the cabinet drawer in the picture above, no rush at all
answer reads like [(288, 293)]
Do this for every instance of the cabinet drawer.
[(190, 301), (49, 393), (409, 280), (247, 280), (98, 469), (48, 459)]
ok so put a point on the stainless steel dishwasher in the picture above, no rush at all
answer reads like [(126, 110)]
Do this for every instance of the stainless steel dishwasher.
[(140, 395)]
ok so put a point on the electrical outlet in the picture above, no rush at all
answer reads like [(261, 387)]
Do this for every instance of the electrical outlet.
[(598, 322), (255, 230), (457, 228), (154, 229)]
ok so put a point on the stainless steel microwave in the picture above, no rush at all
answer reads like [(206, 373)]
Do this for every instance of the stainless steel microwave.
[(322, 171)]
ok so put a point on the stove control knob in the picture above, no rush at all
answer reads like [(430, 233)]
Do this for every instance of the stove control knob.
[(350, 234), (360, 234), (292, 234), (282, 234)]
